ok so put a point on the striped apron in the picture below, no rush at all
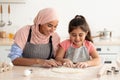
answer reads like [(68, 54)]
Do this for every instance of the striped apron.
[(80, 54), (42, 51)]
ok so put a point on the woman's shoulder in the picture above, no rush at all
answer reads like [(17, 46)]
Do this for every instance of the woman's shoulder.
[(23, 31), (55, 36), (24, 28)]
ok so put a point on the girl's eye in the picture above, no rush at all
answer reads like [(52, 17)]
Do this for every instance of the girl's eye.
[(80, 35), (74, 35)]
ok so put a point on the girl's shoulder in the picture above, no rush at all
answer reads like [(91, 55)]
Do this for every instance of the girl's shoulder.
[(67, 41), (88, 43), (65, 44)]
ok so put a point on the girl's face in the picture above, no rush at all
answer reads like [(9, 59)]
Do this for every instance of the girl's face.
[(77, 36), (48, 28)]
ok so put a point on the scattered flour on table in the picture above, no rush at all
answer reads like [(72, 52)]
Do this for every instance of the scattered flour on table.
[(67, 70)]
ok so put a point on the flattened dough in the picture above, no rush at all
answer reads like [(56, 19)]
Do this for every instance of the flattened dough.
[(66, 70)]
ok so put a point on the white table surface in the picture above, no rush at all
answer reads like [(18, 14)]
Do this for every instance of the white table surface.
[(46, 74)]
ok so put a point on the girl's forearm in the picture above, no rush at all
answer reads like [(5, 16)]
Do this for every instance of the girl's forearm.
[(94, 62), (60, 59)]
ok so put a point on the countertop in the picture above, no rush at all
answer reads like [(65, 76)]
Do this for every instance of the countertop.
[(39, 73), (45, 74), (107, 42), (6, 42), (97, 42)]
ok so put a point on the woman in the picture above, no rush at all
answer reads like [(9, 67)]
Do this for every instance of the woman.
[(36, 44)]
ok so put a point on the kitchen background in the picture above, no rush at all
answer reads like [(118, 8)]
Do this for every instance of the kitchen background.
[(99, 14), (103, 17)]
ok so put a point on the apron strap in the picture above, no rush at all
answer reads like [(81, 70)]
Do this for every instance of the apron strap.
[(51, 49), (29, 36)]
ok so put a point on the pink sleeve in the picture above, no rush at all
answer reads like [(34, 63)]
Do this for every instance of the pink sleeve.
[(65, 44), (90, 46)]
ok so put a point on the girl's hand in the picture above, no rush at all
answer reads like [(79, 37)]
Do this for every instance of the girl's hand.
[(81, 64), (68, 63)]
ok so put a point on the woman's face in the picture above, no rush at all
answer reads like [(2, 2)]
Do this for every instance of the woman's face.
[(48, 28), (77, 36)]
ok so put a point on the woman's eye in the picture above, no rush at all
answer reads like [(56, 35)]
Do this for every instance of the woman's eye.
[(49, 25)]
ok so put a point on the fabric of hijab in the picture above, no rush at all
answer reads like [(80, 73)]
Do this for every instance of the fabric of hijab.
[(44, 16)]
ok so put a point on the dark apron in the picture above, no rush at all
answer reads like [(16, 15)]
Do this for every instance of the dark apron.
[(77, 54), (42, 51)]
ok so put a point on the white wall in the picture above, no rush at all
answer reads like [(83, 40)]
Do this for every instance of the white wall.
[(99, 14)]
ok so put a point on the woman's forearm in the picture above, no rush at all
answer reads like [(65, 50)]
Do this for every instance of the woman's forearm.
[(27, 61)]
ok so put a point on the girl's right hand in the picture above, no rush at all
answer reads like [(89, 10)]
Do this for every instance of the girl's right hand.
[(68, 63)]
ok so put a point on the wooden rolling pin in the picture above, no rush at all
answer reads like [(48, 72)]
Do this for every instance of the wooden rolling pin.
[(118, 62), (1, 11), (102, 71), (9, 9)]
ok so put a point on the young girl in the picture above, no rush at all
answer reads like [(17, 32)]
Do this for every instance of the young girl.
[(78, 51)]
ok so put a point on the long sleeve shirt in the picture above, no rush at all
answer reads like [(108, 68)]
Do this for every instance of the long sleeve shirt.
[(15, 52)]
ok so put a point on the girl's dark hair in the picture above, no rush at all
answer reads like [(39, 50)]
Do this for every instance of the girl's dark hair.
[(80, 22)]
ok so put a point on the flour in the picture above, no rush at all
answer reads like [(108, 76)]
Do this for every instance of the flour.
[(66, 70)]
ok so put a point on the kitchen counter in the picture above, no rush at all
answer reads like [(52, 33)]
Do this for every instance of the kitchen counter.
[(5, 42), (97, 42), (39, 73), (106, 42)]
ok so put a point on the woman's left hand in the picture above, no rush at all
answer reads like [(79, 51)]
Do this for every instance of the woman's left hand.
[(54, 63), (81, 64)]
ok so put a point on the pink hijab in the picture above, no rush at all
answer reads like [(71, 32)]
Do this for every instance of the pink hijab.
[(44, 16)]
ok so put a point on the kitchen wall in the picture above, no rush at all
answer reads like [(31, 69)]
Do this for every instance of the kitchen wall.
[(99, 14)]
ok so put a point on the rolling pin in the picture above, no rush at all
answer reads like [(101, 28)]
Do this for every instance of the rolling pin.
[(102, 71)]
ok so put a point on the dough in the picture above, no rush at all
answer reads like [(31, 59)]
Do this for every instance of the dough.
[(66, 70)]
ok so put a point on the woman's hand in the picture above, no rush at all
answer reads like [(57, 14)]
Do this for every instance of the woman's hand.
[(51, 63), (81, 64), (68, 63)]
